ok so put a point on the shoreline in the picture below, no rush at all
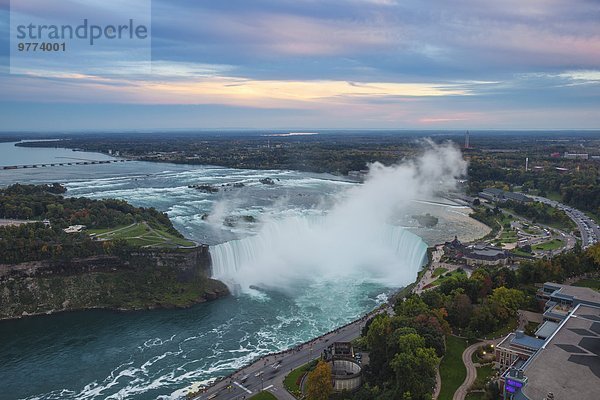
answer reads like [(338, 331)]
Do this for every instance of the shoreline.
[(118, 310), (392, 298)]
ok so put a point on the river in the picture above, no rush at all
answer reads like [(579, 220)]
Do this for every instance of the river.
[(157, 354)]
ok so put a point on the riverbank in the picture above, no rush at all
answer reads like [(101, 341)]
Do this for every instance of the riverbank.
[(144, 280)]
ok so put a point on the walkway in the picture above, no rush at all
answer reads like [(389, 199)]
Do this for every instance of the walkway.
[(467, 358), (438, 384), (269, 372)]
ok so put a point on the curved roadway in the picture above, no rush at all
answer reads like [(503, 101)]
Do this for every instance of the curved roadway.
[(467, 358)]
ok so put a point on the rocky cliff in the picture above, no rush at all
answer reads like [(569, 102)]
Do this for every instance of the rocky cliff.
[(143, 279)]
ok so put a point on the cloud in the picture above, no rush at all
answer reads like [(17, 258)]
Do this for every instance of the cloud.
[(360, 62), (587, 76), (205, 87)]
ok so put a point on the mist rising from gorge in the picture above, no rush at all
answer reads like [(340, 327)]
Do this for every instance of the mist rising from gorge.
[(353, 239)]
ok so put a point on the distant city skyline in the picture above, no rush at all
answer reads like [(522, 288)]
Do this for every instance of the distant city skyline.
[(341, 64)]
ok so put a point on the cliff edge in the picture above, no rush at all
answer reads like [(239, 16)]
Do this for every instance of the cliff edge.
[(143, 279)]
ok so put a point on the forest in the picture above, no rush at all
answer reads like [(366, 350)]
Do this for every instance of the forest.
[(578, 187), (35, 240), (405, 348)]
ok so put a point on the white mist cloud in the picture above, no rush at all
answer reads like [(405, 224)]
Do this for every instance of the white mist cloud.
[(354, 240)]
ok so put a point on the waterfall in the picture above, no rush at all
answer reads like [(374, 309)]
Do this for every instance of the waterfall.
[(353, 242), (293, 250)]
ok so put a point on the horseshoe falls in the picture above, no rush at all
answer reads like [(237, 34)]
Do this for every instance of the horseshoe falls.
[(304, 250), (304, 256)]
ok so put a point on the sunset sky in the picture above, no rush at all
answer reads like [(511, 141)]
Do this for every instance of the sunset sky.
[(399, 64)]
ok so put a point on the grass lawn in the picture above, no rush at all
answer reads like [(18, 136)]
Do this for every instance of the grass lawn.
[(447, 276), (142, 234), (483, 374), (475, 396), (508, 236), (589, 282), (553, 244), (518, 252), (263, 396), (452, 369), (554, 196), (292, 380), (504, 330), (439, 271)]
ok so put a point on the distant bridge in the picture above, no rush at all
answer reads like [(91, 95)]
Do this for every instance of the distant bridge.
[(62, 164)]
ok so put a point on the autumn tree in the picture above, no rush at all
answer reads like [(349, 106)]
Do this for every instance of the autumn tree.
[(318, 383)]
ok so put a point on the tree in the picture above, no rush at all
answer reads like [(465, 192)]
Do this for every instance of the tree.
[(506, 302), (318, 383), (379, 331), (459, 310), (594, 253), (415, 367)]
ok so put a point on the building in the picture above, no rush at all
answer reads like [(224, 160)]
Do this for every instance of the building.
[(455, 250), (546, 329), (485, 255), (576, 156), (75, 229), (567, 363), (515, 347), (499, 195), (567, 366), (559, 300), (346, 369)]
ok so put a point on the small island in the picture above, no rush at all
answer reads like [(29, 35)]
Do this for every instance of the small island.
[(427, 220), (61, 253)]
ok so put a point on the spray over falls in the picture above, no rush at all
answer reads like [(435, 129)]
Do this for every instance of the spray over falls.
[(353, 240)]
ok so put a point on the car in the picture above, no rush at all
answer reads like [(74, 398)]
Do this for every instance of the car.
[(244, 378)]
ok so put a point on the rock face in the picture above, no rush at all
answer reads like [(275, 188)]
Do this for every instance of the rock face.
[(147, 278), (427, 220)]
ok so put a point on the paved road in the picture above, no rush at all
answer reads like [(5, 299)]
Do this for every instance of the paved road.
[(268, 372), (467, 358), (14, 222), (589, 230)]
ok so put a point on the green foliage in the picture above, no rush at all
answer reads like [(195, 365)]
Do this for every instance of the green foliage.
[(404, 350), (414, 366), (292, 380), (452, 369), (140, 285), (45, 202), (32, 242), (35, 241), (560, 267), (578, 187), (590, 283), (542, 213)]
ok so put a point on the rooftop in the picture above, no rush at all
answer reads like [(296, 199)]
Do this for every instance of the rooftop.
[(520, 339), (568, 365), (519, 342), (547, 329), (479, 250), (580, 293)]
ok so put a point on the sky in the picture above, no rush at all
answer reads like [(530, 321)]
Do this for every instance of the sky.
[(338, 64)]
